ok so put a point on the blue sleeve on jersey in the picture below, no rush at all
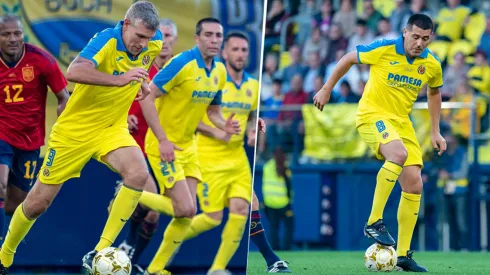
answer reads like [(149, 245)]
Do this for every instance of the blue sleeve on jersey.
[(169, 72), (158, 36), (95, 45), (374, 45), (217, 98)]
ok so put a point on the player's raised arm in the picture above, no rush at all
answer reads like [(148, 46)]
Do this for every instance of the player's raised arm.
[(345, 63)]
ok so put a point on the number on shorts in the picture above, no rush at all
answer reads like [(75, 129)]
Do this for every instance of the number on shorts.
[(164, 167), (205, 189), (30, 172), (51, 155), (380, 125)]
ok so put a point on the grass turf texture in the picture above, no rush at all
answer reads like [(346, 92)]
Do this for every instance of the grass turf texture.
[(333, 262)]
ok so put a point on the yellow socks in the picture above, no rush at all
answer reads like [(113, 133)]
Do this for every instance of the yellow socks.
[(172, 239), (387, 176), (122, 209), (158, 203), (230, 240), (201, 223), (18, 229), (408, 212)]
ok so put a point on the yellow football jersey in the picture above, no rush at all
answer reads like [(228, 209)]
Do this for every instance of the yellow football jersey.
[(240, 99), (395, 80), (451, 22), (189, 88), (92, 108)]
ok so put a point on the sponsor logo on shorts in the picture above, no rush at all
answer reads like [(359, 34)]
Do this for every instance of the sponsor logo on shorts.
[(46, 172), (385, 135), (170, 179), (206, 203)]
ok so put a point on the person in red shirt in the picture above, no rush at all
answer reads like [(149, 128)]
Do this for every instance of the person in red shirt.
[(144, 222), (26, 71)]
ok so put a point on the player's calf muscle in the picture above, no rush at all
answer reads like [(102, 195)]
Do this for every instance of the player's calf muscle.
[(39, 199)]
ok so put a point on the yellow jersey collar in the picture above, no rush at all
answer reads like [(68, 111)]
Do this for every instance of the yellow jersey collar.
[(401, 50), (200, 61), (238, 86)]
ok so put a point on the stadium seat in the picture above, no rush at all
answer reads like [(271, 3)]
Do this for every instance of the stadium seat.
[(440, 49), (475, 28), (284, 60), (463, 46)]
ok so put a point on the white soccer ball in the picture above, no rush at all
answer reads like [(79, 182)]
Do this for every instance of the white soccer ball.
[(111, 261), (380, 258)]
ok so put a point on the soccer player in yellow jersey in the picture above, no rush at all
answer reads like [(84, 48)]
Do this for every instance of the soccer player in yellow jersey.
[(108, 73), (399, 69), (227, 178), (184, 90)]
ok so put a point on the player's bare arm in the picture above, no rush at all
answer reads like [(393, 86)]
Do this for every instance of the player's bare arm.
[(216, 133), (151, 116), (434, 102), (216, 117), (62, 97), (83, 71), (345, 63)]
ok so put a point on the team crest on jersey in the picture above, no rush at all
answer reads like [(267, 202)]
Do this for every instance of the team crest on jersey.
[(46, 172), (215, 80), (385, 135), (421, 69), (28, 73), (146, 60), (249, 93)]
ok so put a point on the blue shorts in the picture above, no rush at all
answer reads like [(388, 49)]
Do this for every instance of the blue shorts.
[(22, 164)]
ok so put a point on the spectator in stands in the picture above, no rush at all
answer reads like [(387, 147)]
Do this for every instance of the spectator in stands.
[(397, 16), (485, 39), (346, 18), (384, 30), (454, 75), (324, 18), (330, 67), (295, 67), (315, 69), (290, 122), (277, 193), (304, 21), (274, 22), (453, 179), (268, 74), (316, 43), (272, 106), (460, 119), (451, 20), (336, 41), (346, 94), (362, 36), (371, 15), (479, 74), (318, 84), (416, 6)]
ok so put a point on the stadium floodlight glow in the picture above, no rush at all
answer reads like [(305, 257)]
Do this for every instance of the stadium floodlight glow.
[(326, 204)]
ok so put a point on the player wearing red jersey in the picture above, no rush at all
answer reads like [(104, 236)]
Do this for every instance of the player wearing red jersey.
[(144, 222), (26, 72)]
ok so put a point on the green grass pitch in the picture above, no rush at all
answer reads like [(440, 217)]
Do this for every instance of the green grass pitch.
[(333, 262)]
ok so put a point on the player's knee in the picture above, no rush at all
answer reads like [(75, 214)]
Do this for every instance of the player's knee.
[(136, 178), (152, 217), (3, 188), (414, 186), (241, 209), (35, 207), (185, 210), (217, 216), (399, 155)]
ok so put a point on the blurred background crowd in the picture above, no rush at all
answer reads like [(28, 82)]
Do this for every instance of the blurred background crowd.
[(304, 40)]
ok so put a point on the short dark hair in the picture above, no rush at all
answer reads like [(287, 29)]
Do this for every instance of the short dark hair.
[(236, 35), (420, 20), (205, 20), (361, 22)]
